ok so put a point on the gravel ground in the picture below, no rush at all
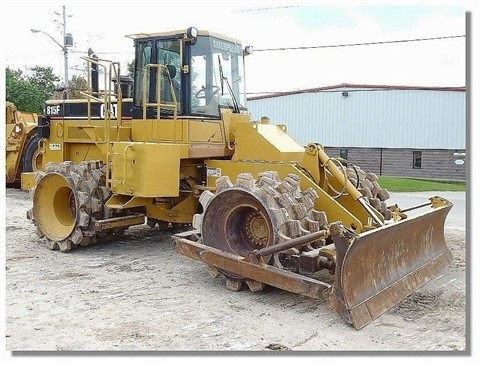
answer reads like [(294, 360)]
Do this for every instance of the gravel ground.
[(139, 294)]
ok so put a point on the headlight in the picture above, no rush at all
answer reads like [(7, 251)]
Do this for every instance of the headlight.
[(192, 32), (248, 50)]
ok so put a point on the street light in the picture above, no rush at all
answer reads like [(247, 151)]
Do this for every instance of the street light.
[(67, 42), (65, 55)]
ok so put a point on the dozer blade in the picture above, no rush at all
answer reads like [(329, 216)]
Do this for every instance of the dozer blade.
[(377, 269)]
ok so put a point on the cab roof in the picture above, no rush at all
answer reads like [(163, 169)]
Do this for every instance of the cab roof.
[(180, 34)]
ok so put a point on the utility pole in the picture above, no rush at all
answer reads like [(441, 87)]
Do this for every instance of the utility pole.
[(67, 42), (65, 51)]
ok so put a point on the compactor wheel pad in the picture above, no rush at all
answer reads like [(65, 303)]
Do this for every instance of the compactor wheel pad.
[(256, 213), (65, 200)]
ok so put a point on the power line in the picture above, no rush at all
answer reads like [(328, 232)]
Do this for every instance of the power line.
[(360, 44), (266, 8), (30, 56), (326, 46), (108, 52), (48, 54)]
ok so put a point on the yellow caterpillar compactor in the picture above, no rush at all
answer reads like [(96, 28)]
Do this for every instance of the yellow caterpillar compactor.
[(263, 209), (22, 153)]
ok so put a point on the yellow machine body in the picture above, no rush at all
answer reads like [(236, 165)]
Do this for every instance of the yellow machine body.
[(20, 130), (264, 209)]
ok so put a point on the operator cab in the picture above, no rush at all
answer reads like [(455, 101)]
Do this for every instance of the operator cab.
[(193, 73)]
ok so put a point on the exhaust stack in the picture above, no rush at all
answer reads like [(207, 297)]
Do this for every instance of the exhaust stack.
[(94, 71)]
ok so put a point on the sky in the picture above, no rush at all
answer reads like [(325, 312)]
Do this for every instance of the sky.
[(102, 25)]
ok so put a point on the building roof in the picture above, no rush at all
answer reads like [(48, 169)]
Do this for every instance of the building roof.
[(357, 86)]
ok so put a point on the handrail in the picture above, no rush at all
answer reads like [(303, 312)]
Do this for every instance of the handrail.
[(110, 68), (161, 70), (106, 85)]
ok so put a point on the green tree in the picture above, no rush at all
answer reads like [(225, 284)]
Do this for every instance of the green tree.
[(44, 79), (29, 92), (77, 84)]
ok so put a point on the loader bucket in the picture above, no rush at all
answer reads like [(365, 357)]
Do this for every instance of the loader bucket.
[(377, 269)]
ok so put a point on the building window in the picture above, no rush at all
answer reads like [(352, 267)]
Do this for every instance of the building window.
[(417, 159), (344, 153)]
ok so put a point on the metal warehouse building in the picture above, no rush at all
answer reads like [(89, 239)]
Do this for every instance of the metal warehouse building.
[(388, 130)]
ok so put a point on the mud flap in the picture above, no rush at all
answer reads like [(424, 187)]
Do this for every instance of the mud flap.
[(377, 269)]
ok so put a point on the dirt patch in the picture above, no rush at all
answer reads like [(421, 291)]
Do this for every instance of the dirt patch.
[(139, 294)]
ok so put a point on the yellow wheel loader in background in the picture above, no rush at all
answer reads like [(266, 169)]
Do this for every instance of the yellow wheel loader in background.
[(22, 149), (264, 210)]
